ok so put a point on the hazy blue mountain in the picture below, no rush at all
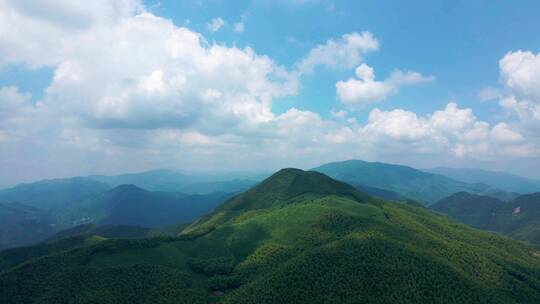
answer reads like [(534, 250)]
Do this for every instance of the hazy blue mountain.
[(131, 205), (155, 180), (411, 183), (70, 202), (22, 225), (382, 193), (502, 180), (191, 183), (54, 193)]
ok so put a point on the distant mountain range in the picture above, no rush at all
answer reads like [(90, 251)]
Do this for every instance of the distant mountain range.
[(53, 194), (194, 183), (131, 205), (161, 198), (404, 181), (30, 213), (519, 218), (296, 237), (501, 180)]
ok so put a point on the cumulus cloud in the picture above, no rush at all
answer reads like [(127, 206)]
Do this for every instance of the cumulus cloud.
[(520, 72), (345, 52), (43, 32), (215, 25), (452, 129), (365, 89), (133, 91), (520, 76)]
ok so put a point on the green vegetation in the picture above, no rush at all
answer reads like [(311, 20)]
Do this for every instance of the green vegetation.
[(297, 237), (519, 218), (106, 231), (408, 182)]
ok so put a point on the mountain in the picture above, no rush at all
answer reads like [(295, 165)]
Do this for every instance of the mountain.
[(501, 180), (476, 210), (297, 237), (72, 202), (22, 225), (53, 194), (411, 183), (131, 205), (382, 193), (519, 218), (172, 181)]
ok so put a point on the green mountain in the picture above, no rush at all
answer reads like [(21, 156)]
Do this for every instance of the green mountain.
[(519, 218), (22, 225), (297, 237), (53, 194), (501, 180), (411, 183), (131, 205)]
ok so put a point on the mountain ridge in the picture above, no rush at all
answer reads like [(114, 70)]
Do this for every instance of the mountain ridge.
[(412, 183)]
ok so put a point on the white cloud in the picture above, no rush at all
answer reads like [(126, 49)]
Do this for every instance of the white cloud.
[(239, 27), (489, 93), (345, 52), (132, 91), (11, 99), (365, 89), (43, 32), (502, 133), (520, 72), (215, 25), (452, 129)]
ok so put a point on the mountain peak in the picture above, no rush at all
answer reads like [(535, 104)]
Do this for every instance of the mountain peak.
[(287, 184), (126, 188)]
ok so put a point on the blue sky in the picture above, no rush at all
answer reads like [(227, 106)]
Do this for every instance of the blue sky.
[(414, 99), (460, 42)]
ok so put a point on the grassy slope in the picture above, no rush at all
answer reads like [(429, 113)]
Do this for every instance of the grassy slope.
[(301, 244)]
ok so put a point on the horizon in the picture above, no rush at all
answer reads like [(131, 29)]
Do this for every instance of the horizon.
[(266, 174), (212, 86)]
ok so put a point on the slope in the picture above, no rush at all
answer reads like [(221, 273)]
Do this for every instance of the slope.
[(298, 237), (424, 187), (519, 218), (22, 225)]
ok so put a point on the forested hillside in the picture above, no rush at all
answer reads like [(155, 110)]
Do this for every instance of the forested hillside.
[(297, 237)]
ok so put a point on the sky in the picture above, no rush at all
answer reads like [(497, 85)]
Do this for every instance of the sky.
[(115, 86)]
